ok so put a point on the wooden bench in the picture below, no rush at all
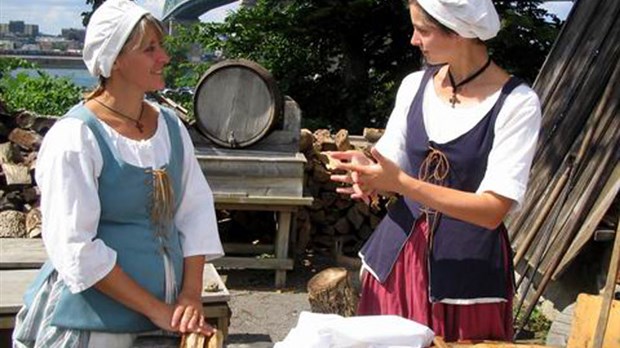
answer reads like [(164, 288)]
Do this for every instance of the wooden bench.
[(284, 207), (21, 258)]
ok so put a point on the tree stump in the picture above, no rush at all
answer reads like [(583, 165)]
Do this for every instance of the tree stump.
[(330, 291)]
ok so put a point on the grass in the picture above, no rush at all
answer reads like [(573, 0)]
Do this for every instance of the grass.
[(538, 325)]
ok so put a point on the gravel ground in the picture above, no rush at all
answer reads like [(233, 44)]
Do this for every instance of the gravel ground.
[(261, 314)]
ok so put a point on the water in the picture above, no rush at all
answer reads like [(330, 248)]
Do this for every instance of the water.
[(81, 77)]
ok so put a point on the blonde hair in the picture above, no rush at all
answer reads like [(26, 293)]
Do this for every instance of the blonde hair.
[(134, 41)]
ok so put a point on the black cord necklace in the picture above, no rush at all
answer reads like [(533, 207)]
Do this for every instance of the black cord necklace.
[(137, 122), (455, 86)]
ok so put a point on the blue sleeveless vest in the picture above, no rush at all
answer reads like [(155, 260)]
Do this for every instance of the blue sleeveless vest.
[(466, 261), (125, 193)]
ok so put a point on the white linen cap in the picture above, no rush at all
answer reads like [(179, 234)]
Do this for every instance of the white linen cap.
[(468, 18), (108, 29)]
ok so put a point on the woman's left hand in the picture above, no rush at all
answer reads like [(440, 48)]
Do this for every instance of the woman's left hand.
[(189, 317), (382, 176)]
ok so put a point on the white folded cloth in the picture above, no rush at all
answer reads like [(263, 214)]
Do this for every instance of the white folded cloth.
[(316, 330)]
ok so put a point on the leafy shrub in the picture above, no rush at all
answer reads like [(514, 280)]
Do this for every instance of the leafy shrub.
[(43, 93)]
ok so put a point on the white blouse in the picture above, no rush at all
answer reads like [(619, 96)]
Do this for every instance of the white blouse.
[(68, 166), (514, 145)]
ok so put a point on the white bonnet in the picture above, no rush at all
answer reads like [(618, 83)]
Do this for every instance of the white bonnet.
[(468, 18), (108, 30)]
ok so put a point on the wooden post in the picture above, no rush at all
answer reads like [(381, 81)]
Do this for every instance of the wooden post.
[(330, 291), (282, 239)]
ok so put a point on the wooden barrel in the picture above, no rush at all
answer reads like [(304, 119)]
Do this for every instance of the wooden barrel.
[(236, 103)]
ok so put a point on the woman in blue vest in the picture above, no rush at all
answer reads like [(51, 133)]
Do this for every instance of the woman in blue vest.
[(128, 218), (457, 152)]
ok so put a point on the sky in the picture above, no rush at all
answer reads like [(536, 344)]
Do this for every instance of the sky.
[(54, 15)]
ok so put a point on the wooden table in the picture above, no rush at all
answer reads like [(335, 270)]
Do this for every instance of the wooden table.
[(284, 207), (20, 259)]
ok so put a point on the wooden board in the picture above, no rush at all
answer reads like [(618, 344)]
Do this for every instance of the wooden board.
[(254, 167), (584, 323), (21, 253), (13, 285), (256, 186), (249, 202), (253, 263), (595, 215)]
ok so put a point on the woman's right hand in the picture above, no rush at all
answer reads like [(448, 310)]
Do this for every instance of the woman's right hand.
[(356, 190), (170, 317), (162, 317)]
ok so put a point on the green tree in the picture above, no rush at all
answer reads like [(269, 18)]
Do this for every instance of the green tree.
[(342, 60), (41, 93)]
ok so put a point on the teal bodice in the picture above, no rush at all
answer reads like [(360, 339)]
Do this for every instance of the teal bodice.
[(126, 225)]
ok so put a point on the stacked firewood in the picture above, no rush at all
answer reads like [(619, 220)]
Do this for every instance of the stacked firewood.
[(20, 138), (334, 223)]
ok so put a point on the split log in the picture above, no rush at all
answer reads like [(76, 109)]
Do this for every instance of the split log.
[(342, 140), (28, 140), (305, 140), (12, 224), (196, 340), (9, 153), (330, 291), (33, 223), (373, 134), (16, 174)]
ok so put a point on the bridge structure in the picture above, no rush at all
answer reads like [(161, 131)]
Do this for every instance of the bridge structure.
[(190, 10)]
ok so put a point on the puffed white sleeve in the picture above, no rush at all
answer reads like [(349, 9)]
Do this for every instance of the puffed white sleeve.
[(68, 165), (393, 142), (516, 134), (195, 217)]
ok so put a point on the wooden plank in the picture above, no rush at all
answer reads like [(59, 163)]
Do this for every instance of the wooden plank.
[(228, 262), (595, 215), (591, 174), (22, 253), (227, 167), (205, 151), (276, 203), (210, 276), (239, 248), (584, 322), (564, 47), (256, 186), (13, 285), (594, 47)]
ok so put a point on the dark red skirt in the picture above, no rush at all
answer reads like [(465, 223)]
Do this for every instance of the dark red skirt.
[(405, 293)]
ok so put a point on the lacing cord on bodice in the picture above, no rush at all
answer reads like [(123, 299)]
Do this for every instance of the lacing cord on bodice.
[(162, 217), (434, 170)]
